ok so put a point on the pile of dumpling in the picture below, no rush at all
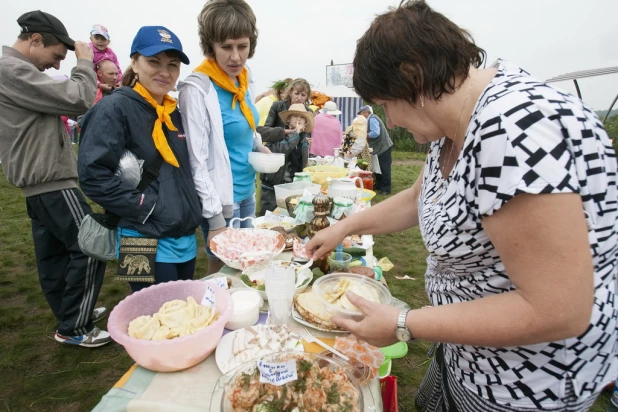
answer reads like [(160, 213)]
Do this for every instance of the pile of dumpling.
[(176, 318)]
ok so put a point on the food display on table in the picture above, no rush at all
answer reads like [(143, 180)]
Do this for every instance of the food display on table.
[(255, 276), (312, 311), (360, 351), (176, 318), (331, 291), (286, 222), (322, 384), (253, 342), (234, 244)]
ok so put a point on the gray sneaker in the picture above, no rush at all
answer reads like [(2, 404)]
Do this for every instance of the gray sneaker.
[(99, 313), (95, 338)]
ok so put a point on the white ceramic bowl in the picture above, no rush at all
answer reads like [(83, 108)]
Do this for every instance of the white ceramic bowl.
[(266, 163), (288, 223)]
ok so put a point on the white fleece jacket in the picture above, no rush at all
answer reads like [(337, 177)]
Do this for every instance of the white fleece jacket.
[(210, 161)]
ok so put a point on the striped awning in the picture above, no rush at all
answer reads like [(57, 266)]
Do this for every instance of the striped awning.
[(582, 74), (349, 108)]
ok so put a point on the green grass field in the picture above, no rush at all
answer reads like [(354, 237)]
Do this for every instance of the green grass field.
[(39, 374)]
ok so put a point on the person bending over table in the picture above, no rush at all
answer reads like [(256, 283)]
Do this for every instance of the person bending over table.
[(517, 206)]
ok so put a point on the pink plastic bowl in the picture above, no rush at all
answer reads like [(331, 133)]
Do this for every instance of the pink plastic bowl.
[(174, 354)]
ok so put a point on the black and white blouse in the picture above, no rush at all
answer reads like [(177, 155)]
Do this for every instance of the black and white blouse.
[(524, 136)]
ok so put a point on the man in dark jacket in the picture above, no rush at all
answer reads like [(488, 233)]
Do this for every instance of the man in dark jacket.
[(37, 156), (382, 145)]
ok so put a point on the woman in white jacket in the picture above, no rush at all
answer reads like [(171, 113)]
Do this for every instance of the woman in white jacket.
[(220, 119)]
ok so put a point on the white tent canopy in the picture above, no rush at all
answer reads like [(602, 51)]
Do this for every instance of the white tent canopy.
[(347, 100)]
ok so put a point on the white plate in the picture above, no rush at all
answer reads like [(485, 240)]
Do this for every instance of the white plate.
[(296, 316), (224, 351), (290, 223)]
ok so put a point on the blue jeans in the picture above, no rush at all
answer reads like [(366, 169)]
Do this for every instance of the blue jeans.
[(245, 208)]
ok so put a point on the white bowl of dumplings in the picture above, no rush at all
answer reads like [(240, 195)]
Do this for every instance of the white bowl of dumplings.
[(170, 329)]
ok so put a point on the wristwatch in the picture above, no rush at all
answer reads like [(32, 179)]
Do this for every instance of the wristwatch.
[(402, 332)]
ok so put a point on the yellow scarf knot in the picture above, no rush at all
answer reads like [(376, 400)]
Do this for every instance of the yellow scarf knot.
[(163, 117), (211, 69)]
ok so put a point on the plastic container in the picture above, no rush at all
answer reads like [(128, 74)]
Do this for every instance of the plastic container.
[(266, 162), (328, 282), (225, 389), (339, 262), (286, 190), (246, 312), (319, 174), (173, 354), (280, 289)]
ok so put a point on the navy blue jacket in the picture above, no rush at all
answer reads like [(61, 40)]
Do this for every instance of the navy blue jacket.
[(124, 120)]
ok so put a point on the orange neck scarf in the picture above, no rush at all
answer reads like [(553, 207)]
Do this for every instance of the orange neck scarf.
[(211, 69), (163, 116)]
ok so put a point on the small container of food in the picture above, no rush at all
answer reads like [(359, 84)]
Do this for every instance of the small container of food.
[(339, 262), (246, 311), (341, 206), (363, 270), (331, 292)]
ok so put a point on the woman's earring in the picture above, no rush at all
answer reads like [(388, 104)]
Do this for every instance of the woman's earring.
[(422, 101)]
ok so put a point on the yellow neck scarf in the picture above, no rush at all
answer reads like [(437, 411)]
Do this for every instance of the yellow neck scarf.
[(211, 69), (163, 116)]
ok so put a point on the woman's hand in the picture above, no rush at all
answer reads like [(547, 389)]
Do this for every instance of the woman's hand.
[(213, 233), (309, 141), (263, 149), (377, 327), (325, 241)]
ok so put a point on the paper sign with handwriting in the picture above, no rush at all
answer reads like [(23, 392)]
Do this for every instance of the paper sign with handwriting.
[(272, 217), (277, 373), (221, 281), (210, 299)]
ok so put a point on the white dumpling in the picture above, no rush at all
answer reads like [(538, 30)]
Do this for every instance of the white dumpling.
[(162, 333), (173, 306), (144, 327)]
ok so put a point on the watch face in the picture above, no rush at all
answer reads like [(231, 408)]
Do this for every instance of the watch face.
[(403, 335)]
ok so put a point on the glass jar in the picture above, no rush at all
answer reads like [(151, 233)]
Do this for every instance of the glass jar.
[(367, 178)]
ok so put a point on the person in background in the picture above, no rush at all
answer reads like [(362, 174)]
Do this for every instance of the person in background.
[(141, 117), (298, 119), (518, 206), (275, 130), (107, 74), (355, 141), (220, 119), (99, 43), (37, 156), (326, 133), (265, 100), (382, 149)]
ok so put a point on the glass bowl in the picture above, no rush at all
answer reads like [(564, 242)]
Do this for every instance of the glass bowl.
[(361, 285), (240, 389)]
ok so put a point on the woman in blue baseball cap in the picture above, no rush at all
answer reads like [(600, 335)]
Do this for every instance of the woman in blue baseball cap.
[(157, 217)]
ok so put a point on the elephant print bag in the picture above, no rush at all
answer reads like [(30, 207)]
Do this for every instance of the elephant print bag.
[(136, 261)]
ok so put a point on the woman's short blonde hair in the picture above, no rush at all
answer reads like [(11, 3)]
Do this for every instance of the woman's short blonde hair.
[(222, 20), (300, 84)]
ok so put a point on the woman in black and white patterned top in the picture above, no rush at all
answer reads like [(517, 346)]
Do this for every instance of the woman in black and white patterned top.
[(518, 207)]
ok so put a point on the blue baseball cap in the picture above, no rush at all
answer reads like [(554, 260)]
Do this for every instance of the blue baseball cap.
[(151, 40)]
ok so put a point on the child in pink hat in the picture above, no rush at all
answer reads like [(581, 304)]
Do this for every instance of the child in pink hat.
[(99, 42)]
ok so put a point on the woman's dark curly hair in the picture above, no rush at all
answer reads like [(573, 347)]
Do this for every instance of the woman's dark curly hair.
[(413, 51)]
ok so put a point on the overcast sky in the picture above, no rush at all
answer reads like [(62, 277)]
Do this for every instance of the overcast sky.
[(299, 38)]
